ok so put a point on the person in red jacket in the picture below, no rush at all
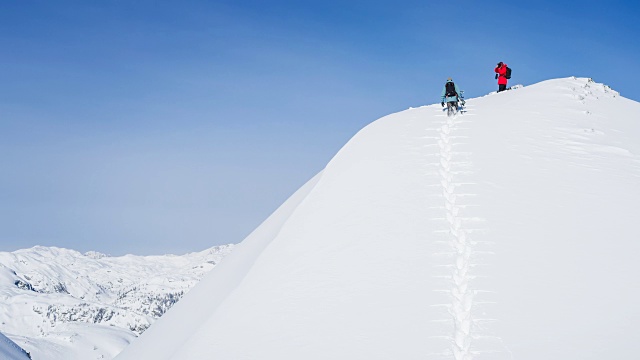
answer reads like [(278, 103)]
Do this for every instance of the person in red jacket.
[(501, 71)]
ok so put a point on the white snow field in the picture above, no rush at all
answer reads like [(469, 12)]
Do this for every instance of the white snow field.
[(10, 350), (59, 304), (506, 232)]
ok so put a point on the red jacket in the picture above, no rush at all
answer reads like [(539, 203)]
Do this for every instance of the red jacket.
[(502, 71)]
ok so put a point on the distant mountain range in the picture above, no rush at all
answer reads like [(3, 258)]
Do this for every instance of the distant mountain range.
[(61, 304)]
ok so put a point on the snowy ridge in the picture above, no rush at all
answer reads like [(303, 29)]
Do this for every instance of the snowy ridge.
[(492, 235), (67, 305), (10, 350)]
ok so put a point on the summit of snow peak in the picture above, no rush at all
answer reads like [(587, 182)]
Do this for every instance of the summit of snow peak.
[(494, 234)]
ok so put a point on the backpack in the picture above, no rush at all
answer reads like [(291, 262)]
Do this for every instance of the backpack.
[(508, 73), (450, 89)]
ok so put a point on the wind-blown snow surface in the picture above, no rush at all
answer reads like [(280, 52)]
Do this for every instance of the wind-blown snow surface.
[(507, 232), (61, 304), (10, 350)]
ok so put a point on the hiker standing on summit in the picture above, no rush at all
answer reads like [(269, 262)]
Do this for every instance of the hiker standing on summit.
[(502, 76)]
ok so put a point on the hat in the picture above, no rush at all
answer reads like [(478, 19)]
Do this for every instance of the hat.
[(449, 79)]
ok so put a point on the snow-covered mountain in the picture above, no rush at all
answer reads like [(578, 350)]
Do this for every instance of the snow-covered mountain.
[(506, 232), (61, 304), (11, 351)]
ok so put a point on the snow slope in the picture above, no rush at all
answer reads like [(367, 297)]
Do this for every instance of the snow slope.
[(61, 304), (10, 351), (506, 232)]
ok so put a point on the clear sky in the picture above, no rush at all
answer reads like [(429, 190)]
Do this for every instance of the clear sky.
[(153, 127)]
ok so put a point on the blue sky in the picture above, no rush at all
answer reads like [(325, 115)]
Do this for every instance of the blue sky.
[(154, 127)]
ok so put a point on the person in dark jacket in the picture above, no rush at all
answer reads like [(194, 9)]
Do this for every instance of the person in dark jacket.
[(501, 75)]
